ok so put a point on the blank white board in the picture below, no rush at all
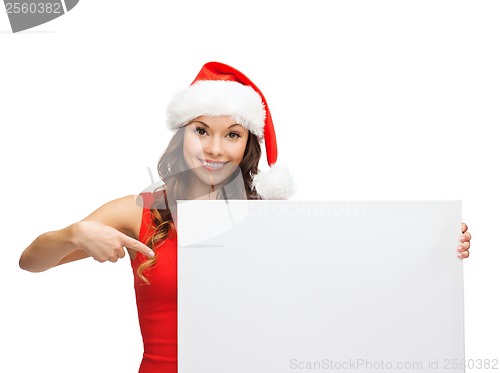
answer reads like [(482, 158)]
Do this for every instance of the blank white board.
[(288, 286)]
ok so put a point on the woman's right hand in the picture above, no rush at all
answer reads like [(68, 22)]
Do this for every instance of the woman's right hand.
[(102, 235), (105, 243)]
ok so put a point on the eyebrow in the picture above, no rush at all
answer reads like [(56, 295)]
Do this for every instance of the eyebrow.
[(199, 121)]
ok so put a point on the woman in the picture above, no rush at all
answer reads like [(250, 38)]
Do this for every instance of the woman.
[(220, 121)]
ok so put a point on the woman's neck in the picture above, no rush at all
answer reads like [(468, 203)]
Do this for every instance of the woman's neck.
[(204, 191)]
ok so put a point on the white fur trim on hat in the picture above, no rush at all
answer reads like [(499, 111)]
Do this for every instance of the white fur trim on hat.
[(215, 98), (277, 183)]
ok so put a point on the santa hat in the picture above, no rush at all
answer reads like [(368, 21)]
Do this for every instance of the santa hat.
[(220, 89)]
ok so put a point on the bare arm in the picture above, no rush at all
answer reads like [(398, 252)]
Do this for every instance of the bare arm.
[(48, 249), (103, 235)]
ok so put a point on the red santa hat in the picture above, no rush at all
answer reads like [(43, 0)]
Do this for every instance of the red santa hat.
[(219, 89)]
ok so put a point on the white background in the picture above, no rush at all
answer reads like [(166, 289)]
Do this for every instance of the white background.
[(370, 99)]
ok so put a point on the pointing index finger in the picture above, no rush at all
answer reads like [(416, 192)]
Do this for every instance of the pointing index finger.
[(138, 246)]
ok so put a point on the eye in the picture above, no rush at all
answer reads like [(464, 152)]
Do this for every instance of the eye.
[(236, 135), (200, 131)]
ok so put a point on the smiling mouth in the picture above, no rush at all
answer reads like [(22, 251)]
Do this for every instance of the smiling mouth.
[(212, 166)]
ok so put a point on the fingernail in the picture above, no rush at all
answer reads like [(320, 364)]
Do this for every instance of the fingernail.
[(459, 248), (151, 253), (460, 256), (461, 238)]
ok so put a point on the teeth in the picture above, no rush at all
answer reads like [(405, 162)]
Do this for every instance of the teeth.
[(213, 165)]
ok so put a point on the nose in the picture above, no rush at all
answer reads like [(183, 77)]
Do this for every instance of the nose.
[(214, 147)]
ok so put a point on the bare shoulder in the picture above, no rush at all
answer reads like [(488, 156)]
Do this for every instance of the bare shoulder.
[(123, 214)]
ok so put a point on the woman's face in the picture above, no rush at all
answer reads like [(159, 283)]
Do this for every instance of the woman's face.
[(214, 147)]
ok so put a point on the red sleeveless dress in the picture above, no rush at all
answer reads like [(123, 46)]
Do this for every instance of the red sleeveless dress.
[(157, 302)]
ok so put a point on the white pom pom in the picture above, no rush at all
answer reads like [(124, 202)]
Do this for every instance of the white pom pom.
[(277, 183)]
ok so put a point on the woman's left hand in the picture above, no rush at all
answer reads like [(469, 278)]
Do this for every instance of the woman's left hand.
[(463, 248)]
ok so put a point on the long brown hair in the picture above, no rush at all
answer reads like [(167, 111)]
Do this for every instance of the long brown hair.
[(177, 180)]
